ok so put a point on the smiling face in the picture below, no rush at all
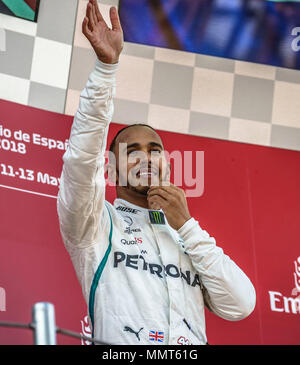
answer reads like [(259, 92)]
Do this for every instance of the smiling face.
[(140, 159)]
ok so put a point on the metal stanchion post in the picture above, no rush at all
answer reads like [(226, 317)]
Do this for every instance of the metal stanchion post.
[(43, 322)]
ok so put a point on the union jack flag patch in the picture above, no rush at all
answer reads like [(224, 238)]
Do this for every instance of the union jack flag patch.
[(156, 336)]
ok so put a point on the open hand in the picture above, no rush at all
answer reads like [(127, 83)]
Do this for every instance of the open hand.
[(172, 201), (107, 43)]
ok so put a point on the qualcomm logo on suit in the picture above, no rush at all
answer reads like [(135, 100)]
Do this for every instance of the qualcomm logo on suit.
[(280, 303)]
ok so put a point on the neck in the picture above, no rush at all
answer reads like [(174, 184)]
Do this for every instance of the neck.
[(132, 196)]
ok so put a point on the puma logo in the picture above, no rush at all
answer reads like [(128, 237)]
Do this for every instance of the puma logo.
[(128, 329)]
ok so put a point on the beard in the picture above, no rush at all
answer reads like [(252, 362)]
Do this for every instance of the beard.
[(141, 190)]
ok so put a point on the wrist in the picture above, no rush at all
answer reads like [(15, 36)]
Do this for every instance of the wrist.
[(109, 61), (183, 222)]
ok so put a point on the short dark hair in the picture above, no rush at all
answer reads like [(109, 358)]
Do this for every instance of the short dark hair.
[(113, 142)]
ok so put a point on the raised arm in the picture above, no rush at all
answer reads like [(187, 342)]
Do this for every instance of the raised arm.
[(82, 189)]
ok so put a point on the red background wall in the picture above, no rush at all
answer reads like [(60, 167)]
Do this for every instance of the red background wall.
[(250, 205)]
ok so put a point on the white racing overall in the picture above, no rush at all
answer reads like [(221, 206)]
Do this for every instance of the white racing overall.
[(144, 283)]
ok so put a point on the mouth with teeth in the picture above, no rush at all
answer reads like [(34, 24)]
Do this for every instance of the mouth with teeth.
[(143, 178), (148, 173)]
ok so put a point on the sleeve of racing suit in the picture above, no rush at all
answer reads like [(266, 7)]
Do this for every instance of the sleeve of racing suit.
[(81, 195), (228, 292)]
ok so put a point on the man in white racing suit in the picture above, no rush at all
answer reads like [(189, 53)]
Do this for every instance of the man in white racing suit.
[(146, 267)]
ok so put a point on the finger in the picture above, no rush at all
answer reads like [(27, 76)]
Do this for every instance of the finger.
[(154, 206), (114, 18), (85, 29), (156, 202), (98, 14), (94, 12), (90, 16), (171, 189), (160, 192)]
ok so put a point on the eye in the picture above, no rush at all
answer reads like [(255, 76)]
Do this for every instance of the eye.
[(132, 152), (156, 151)]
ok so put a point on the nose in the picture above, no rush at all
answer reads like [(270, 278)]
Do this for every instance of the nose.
[(145, 159)]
